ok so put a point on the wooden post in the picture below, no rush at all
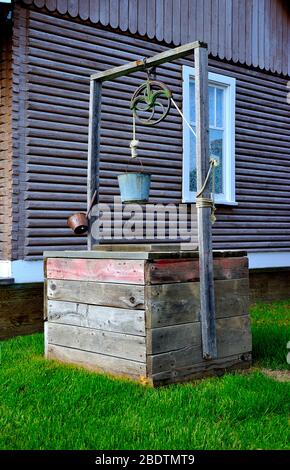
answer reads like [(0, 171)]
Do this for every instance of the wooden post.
[(207, 301), (93, 148)]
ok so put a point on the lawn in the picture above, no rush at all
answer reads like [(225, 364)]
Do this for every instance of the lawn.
[(46, 405)]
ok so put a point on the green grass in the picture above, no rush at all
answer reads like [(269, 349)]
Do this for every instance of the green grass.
[(271, 333), (46, 405)]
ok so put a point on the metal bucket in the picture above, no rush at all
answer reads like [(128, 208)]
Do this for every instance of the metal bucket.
[(134, 187), (78, 223)]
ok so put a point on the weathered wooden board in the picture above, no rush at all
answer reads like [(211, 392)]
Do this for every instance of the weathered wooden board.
[(166, 56), (269, 285), (119, 320), (183, 342), (96, 293), (232, 297), (97, 362), (184, 357), (203, 369), (173, 304), (230, 268), (145, 247), (170, 338), (169, 271), (94, 254), (185, 270), (233, 336), (21, 309), (103, 342), (103, 270)]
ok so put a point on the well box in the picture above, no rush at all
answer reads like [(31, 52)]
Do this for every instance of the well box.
[(137, 313)]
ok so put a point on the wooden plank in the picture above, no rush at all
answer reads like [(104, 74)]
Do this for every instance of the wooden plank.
[(119, 320), (207, 299), (204, 369), (230, 268), (21, 309), (95, 254), (233, 336), (103, 270), (232, 297), (186, 356), (173, 304), (102, 342), (127, 255), (93, 150), (158, 59), (97, 362), (146, 247), (170, 338), (170, 271), (96, 293)]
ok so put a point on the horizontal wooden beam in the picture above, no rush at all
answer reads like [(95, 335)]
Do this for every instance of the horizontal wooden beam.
[(158, 59)]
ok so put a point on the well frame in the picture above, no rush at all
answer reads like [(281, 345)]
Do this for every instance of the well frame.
[(200, 51)]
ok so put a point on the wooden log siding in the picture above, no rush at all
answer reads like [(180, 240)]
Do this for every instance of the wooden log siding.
[(61, 56), (5, 143), (252, 32)]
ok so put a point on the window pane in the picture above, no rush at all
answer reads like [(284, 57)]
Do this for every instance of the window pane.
[(192, 100), (192, 167), (211, 104), (219, 107), (216, 151)]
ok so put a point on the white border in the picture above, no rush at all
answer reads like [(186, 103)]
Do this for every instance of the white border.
[(229, 84)]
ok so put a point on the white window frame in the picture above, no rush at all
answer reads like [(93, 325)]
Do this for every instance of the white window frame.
[(229, 85)]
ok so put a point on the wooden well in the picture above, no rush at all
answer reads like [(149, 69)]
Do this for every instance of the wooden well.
[(137, 313)]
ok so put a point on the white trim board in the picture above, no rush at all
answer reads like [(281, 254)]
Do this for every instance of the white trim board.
[(266, 259), (22, 271)]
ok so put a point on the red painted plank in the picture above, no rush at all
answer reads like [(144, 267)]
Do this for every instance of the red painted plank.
[(169, 271), (230, 268), (101, 270)]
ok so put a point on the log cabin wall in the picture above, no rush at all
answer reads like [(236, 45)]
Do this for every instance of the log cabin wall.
[(5, 142), (61, 54), (251, 32)]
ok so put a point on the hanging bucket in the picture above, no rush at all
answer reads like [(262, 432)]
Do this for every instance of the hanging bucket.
[(134, 187), (79, 223)]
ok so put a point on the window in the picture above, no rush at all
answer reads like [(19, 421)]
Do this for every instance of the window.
[(221, 95)]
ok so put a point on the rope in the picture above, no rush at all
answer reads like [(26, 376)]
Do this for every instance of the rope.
[(203, 202), (183, 117), (134, 142)]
